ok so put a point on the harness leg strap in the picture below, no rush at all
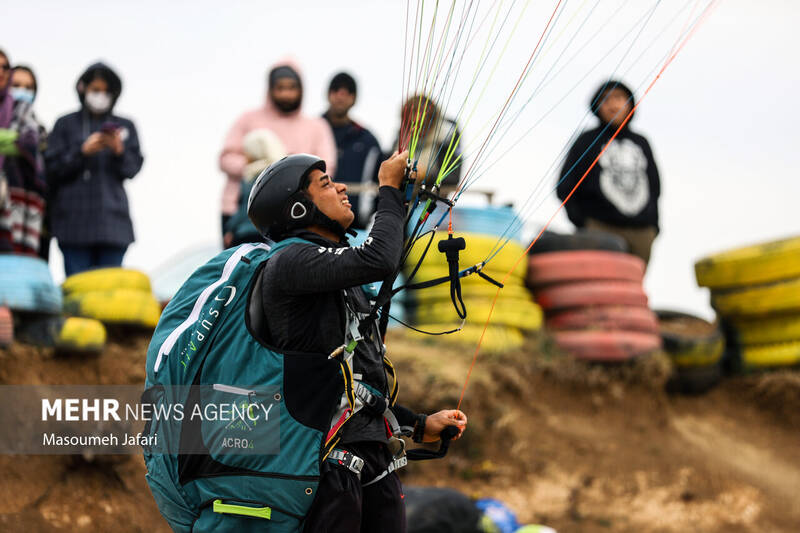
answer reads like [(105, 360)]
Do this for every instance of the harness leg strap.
[(396, 464)]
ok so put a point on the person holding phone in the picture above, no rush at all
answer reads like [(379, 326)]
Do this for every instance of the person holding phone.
[(90, 154)]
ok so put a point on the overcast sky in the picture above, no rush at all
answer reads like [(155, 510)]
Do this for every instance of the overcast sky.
[(722, 121)]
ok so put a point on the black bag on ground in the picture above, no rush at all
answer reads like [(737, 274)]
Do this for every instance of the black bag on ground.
[(440, 510)]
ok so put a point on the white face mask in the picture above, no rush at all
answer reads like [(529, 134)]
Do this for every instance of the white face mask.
[(98, 101), (21, 94)]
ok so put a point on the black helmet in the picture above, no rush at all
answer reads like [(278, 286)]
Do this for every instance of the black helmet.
[(277, 203)]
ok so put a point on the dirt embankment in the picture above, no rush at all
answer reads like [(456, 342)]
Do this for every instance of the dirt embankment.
[(579, 448)]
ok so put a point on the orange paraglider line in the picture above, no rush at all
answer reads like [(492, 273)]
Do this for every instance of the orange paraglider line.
[(702, 18)]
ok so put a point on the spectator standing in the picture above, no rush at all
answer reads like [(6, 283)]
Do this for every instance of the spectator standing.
[(7, 140), (358, 152), (90, 154), (24, 87), (435, 135), (282, 115), (22, 166), (620, 194)]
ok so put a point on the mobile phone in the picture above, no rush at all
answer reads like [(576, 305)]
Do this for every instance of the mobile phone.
[(109, 127)]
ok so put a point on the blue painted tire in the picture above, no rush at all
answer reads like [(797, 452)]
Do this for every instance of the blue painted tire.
[(26, 285), (488, 220)]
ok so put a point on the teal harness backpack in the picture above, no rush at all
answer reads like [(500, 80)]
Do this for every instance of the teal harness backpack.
[(255, 422)]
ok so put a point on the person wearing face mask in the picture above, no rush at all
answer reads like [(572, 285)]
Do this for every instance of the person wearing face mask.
[(90, 154), (22, 203), (24, 88), (282, 115)]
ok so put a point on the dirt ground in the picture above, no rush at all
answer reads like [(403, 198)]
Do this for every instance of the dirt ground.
[(578, 448)]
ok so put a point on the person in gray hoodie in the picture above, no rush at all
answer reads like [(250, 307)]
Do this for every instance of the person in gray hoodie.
[(90, 154)]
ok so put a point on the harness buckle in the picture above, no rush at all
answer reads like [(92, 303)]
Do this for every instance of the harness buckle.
[(348, 460), (399, 463), (397, 447), (374, 403)]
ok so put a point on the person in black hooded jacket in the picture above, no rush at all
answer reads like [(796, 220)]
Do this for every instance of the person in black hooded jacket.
[(620, 194), (90, 153)]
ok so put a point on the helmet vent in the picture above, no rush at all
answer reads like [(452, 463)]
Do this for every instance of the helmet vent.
[(298, 211)]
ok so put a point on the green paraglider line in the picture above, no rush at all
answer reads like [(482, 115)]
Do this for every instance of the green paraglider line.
[(524, 254)]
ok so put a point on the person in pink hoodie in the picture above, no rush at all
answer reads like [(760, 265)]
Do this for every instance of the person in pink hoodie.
[(280, 113)]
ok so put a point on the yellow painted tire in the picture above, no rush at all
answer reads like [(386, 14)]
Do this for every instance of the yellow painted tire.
[(758, 300), (497, 339), (478, 249), (106, 279), (699, 354), (81, 335), (428, 273), (520, 314), (690, 341), (771, 355), (484, 290), (121, 306), (768, 330), (761, 263)]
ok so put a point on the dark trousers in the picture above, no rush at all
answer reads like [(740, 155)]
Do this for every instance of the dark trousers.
[(342, 505), (80, 258)]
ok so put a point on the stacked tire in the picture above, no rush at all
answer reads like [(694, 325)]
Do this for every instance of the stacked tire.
[(29, 300), (594, 302), (33, 308), (71, 335), (113, 296), (514, 313), (695, 347), (26, 285), (756, 292)]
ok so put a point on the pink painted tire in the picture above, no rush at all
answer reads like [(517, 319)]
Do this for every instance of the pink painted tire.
[(605, 317), (583, 265), (591, 293), (607, 346)]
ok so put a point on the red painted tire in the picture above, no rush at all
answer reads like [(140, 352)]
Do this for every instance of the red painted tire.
[(6, 327), (591, 293), (607, 346), (583, 265), (605, 317)]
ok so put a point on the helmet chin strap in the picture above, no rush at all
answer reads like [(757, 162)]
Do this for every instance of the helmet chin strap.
[(321, 219), (302, 213)]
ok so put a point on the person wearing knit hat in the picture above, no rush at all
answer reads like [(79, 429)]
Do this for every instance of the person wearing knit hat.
[(281, 113), (359, 154), (620, 193)]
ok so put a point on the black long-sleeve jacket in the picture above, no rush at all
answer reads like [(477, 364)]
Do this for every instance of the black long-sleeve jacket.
[(303, 301), (623, 187), (88, 204)]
